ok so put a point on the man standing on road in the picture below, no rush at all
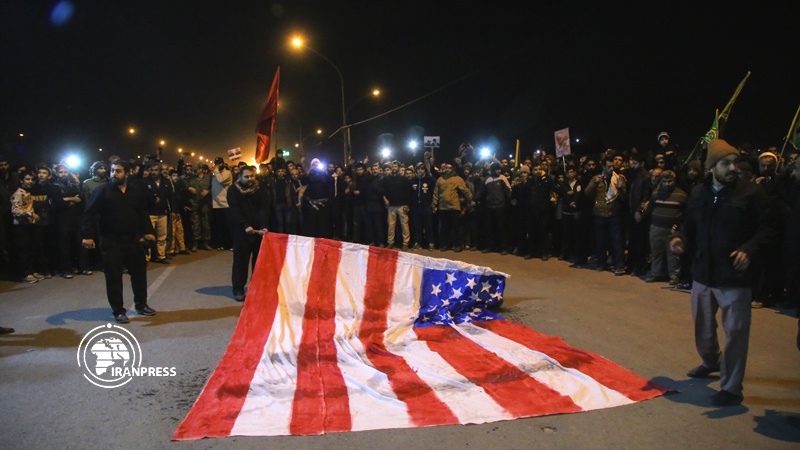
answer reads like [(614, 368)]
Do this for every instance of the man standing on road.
[(249, 208), (117, 211), (727, 224)]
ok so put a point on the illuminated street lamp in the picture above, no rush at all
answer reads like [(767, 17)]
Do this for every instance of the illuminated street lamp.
[(131, 131), (298, 43)]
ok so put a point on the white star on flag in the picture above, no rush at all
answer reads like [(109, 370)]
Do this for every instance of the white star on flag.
[(456, 293), (436, 289), (471, 283), (450, 278), (486, 286)]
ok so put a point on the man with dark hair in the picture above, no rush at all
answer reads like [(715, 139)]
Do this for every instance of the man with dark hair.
[(727, 225), (397, 198), (495, 196), (638, 225), (65, 194), (608, 190), (220, 183), (9, 183), (248, 216), (316, 201), (665, 211), (117, 213), (199, 188), (361, 226), (158, 192), (447, 194), (421, 211)]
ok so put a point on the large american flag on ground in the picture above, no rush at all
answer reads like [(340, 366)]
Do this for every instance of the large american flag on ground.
[(336, 336)]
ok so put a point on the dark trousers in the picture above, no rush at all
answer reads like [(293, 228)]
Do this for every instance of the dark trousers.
[(494, 229), (449, 229), (117, 255), (220, 233), (538, 224), (70, 253), (30, 248), (638, 244), (572, 245), (245, 253), (283, 218), (608, 238), (422, 222), (317, 220), (374, 226)]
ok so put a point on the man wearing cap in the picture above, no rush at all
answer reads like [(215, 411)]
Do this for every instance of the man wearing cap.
[(770, 283), (727, 225), (667, 151)]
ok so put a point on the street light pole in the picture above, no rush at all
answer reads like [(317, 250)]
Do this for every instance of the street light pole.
[(345, 128)]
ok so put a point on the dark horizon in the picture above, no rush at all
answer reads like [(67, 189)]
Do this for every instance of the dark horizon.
[(198, 76)]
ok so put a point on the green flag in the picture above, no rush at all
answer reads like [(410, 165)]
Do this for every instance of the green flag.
[(718, 126), (723, 117), (794, 132), (714, 132)]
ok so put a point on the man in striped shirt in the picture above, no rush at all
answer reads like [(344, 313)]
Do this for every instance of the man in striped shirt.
[(665, 208)]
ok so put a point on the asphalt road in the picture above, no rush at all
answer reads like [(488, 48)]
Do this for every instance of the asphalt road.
[(47, 402)]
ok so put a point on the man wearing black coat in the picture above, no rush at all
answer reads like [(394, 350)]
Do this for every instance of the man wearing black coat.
[(248, 216), (727, 226)]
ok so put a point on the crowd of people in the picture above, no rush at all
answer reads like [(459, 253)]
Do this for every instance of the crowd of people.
[(614, 211), (723, 225)]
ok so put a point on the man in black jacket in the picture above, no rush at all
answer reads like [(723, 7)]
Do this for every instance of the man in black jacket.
[(117, 211), (726, 225), (248, 217)]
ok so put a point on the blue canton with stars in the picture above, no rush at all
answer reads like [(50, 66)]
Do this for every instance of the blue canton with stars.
[(455, 297)]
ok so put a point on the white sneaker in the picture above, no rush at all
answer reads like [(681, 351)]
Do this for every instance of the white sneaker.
[(30, 279)]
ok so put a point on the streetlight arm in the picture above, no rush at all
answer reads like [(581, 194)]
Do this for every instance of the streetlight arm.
[(345, 130), (341, 81)]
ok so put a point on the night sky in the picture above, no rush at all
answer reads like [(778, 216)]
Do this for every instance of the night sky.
[(76, 75)]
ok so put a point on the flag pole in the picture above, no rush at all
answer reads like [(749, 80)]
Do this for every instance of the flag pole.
[(516, 157), (789, 134)]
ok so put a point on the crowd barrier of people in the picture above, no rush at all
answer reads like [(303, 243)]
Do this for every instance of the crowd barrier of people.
[(615, 211)]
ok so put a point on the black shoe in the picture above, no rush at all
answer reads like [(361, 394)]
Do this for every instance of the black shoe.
[(68, 275), (186, 252), (701, 371), (486, 250), (205, 246), (146, 311), (619, 272), (4, 330), (503, 253), (529, 256), (85, 272), (545, 258), (161, 261), (725, 398), (121, 318), (238, 296), (458, 250)]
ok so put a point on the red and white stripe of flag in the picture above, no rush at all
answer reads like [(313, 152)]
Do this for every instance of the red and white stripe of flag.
[(326, 343)]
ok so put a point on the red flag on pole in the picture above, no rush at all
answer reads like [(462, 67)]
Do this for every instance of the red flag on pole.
[(266, 123)]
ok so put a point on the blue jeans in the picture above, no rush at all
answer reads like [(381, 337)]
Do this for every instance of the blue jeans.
[(608, 238)]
